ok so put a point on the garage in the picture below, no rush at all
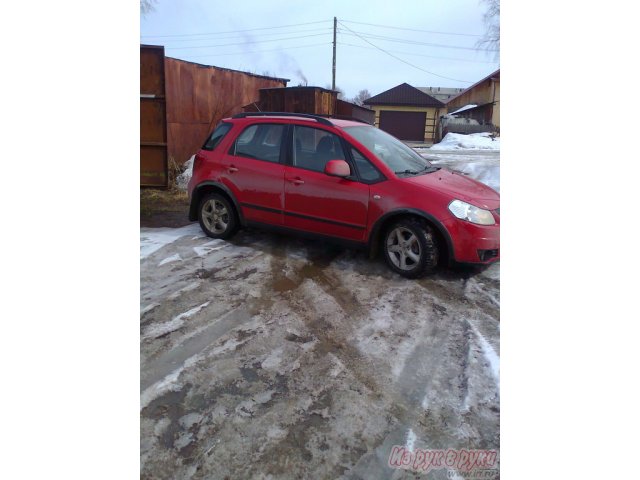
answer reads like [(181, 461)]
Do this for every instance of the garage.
[(404, 125), (407, 113)]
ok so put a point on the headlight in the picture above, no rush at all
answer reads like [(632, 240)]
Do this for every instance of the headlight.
[(465, 211)]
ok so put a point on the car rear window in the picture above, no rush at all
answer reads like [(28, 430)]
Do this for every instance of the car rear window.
[(217, 136)]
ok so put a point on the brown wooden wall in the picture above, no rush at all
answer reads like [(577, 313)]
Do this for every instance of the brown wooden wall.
[(199, 96), (349, 109), (312, 100), (153, 125)]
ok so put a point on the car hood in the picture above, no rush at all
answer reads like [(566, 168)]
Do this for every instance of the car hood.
[(458, 187)]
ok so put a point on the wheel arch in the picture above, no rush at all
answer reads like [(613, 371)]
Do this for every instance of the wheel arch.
[(207, 187), (442, 235)]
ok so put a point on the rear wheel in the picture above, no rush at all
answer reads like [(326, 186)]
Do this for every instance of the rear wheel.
[(217, 216), (410, 248)]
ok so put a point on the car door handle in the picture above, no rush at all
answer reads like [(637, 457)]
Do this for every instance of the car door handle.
[(296, 181), (233, 169)]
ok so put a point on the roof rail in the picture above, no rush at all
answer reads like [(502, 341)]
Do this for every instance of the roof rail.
[(345, 117), (317, 118)]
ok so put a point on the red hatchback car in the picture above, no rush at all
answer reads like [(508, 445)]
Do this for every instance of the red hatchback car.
[(342, 180)]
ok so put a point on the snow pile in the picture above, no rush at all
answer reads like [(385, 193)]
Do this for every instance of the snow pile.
[(473, 141), (182, 180)]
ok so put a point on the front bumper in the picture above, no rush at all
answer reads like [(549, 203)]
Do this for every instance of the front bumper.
[(473, 243)]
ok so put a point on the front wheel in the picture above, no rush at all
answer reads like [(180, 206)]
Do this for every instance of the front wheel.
[(217, 216), (410, 248)]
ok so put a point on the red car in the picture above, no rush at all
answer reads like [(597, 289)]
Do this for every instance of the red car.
[(341, 180)]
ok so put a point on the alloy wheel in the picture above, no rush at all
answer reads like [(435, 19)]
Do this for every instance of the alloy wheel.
[(215, 216), (403, 248)]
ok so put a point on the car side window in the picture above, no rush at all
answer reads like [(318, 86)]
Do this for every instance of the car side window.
[(217, 135), (261, 141), (313, 148), (366, 170)]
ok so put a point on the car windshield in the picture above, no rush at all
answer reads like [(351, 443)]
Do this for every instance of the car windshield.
[(391, 151)]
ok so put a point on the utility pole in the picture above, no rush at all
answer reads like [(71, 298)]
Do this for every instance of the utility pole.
[(333, 78)]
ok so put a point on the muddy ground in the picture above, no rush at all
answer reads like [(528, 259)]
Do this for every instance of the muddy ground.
[(274, 357)]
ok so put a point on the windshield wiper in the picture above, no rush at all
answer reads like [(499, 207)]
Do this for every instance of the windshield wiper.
[(427, 169)]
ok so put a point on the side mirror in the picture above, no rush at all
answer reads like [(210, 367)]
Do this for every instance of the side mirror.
[(337, 168)]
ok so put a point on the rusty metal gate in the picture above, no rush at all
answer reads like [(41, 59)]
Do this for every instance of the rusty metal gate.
[(153, 118)]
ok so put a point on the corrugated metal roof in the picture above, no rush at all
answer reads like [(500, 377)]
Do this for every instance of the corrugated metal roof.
[(406, 95)]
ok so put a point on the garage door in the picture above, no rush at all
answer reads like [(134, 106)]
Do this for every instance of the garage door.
[(404, 125)]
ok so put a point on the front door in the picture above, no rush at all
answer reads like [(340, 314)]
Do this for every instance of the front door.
[(319, 203)]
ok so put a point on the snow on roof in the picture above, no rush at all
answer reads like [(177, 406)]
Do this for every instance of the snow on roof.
[(462, 109)]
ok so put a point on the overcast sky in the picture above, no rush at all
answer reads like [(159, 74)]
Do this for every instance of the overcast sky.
[(241, 35)]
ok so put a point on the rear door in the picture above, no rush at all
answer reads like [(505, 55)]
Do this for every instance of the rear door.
[(316, 202), (254, 169)]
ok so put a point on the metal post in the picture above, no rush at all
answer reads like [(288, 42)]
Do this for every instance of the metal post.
[(333, 79)]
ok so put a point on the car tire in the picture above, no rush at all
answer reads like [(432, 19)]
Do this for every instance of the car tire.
[(410, 248), (217, 216)]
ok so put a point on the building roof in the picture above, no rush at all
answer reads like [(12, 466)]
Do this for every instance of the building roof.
[(491, 75), (406, 95), (441, 93)]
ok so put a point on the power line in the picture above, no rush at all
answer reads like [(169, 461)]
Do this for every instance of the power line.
[(259, 51), (404, 61), (407, 41), (247, 42), (413, 29), (419, 54), (252, 36), (233, 31)]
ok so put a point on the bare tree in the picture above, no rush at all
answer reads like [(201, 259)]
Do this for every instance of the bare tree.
[(147, 6), (491, 39), (361, 97)]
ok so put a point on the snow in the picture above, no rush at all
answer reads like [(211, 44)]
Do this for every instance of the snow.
[(473, 141), (157, 330), (274, 360), (411, 440), (153, 239), (172, 258), (188, 288), (148, 308), (182, 180), (168, 383), (466, 107), (490, 355), (207, 248)]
